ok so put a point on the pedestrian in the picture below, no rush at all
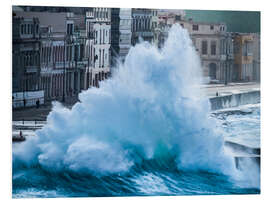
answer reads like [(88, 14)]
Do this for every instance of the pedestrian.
[(37, 103), (24, 102), (217, 94), (21, 136)]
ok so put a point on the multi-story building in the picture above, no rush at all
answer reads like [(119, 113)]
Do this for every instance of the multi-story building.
[(121, 33), (125, 32), (25, 54), (89, 47), (26, 62), (170, 16), (247, 56), (98, 27), (211, 40), (214, 47), (257, 57), (141, 25), (154, 19), (61, 64)]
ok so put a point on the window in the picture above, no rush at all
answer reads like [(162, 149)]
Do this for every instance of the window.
[(204, 47), (194, 42), (146, 24), (236, 48), (22, 29), (213, 48), (99, 36), (103, 36), (195, 27), (28, 29), (221, 28), (94, 56), (36, 29), (103, 58), (99, 58), (177, 17), (69, 29)]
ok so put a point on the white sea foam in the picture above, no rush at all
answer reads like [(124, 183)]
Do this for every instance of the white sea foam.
[(151, 107)]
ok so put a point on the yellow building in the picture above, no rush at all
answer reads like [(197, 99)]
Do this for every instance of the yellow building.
[(243, 56)]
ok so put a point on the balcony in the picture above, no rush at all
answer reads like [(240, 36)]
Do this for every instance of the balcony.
[(31, 69)]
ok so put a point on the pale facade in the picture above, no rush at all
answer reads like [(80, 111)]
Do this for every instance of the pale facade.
[(141, 25), (257, 57), (62, 61), (247, 56), (98, 44), (125, 33), (25, 54), (209, 40)]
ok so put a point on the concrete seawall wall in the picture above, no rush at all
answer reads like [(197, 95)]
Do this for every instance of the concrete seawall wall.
[(234, 100)]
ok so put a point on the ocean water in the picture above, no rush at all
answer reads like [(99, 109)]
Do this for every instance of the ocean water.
[(146, 131)]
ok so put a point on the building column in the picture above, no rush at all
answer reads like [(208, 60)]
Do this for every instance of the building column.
[(79, 81), (72, 86), (66, 83)]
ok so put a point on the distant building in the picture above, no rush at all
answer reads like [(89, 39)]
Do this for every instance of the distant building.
[(247, 56), (125, 32), (98, 26), (170, 16), (257, 57), (214, 46), (211, 41), (141, 25), (62, 62), (121, 33), (25, 54)]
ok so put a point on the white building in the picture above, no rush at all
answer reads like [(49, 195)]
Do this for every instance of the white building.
[(141, 25), (98, 28), (210, 41), (125, 32)]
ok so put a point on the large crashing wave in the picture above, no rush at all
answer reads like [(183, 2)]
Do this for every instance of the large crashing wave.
[(152, 108)]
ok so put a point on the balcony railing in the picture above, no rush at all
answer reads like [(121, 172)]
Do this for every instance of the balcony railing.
[(31, 69)]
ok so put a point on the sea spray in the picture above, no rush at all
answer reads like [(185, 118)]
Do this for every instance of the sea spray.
[(151, 109)]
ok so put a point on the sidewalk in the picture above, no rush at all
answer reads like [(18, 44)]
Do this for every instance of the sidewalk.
[(31, 113), (232, 84), (41, 113), (38, 114), (230, 88)]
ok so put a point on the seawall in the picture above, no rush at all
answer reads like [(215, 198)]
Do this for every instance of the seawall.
[(234, 100)]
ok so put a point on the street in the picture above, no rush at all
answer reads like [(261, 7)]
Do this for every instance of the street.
[(231, 88)]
